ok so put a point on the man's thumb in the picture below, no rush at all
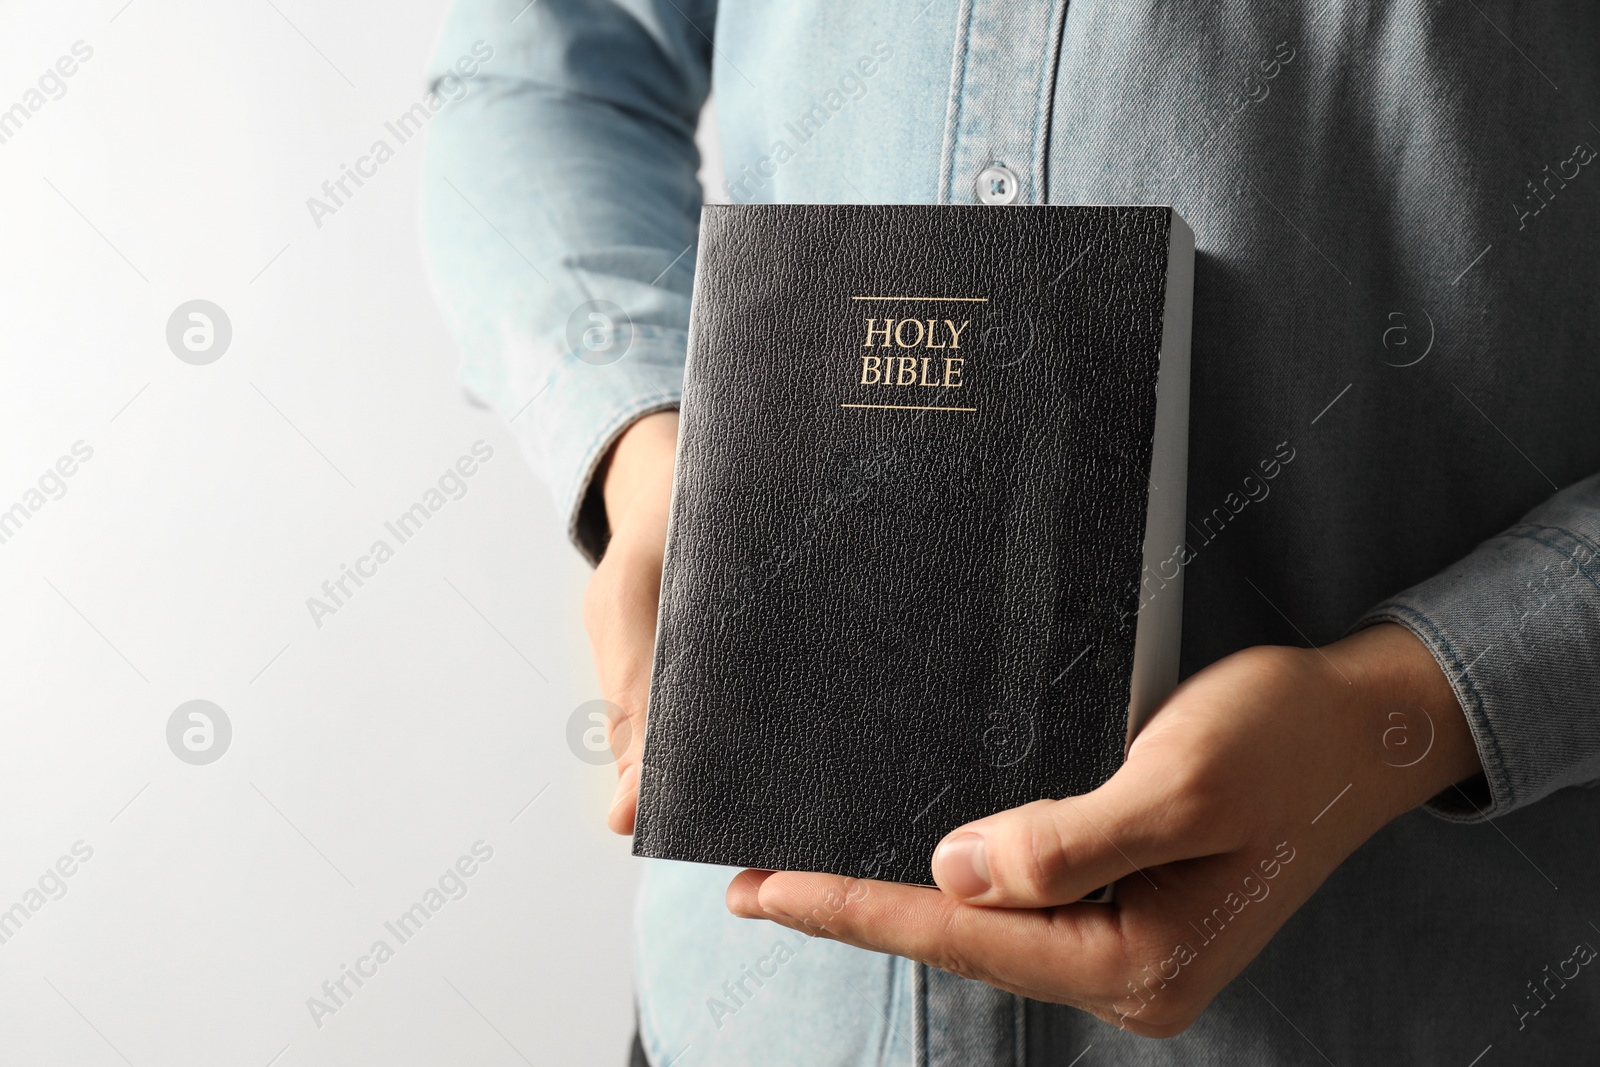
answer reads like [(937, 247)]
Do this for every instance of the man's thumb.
[(1054, 852)]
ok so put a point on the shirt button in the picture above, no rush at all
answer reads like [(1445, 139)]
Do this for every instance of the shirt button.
[(997, 184)]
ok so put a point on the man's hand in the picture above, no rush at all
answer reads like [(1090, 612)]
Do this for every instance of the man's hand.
[(619, 608), (1255, 779)]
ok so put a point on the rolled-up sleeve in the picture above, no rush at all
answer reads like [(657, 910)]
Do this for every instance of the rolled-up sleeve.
[(1516, 628), (560, 210)]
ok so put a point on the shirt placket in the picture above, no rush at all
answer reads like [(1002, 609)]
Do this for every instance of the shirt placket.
[(1002, 80)]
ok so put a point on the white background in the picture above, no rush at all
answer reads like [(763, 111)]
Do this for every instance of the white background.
[(367, 755)]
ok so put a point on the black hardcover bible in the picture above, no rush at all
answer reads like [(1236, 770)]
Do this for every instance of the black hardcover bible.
[(921, 561)]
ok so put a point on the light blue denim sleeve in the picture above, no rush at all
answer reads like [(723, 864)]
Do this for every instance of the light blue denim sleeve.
[(1516, 627), (560, 208)]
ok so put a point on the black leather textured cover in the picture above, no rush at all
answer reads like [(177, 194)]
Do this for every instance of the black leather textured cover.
[(880, 623)]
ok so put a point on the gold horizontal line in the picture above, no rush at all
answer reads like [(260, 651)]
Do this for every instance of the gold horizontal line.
[(963, 299), (905, 407)]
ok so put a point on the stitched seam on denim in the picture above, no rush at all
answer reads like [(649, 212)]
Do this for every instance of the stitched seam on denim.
[(958, 85), (1563, 531), (1019, 1028), (1562, 549), (919, 1015), (898, 965), (1046, 106), (1405, 615)]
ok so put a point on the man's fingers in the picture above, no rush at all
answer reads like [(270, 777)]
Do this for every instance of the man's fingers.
[(625, 733), (620, 610), (1058, 851), (1026, 952), (625, 801), (625, 737), (743, 893)]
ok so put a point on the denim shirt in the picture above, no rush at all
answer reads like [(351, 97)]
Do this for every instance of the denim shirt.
[(1395, 416)]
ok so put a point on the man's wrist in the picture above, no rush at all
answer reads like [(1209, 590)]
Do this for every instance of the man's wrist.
[(1415, 742), (636, 477)]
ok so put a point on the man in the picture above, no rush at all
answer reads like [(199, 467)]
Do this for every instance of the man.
[(1393, 444)]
